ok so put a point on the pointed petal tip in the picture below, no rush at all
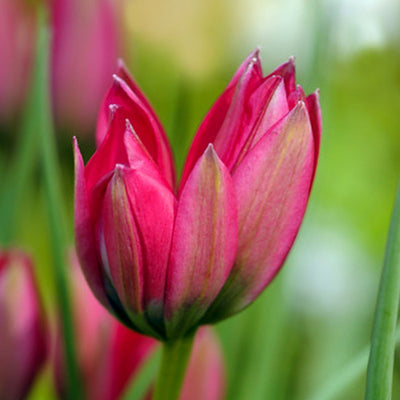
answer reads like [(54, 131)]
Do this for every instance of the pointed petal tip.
[(77, 152), (119, 170), (121, 65), (211, 155), (118, 81), (210, 148), (255, 55)]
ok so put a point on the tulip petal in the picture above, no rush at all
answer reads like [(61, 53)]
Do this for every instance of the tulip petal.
[(84, 234), (153, 205), (121, 146), (138, 216), (204, 243), (272, 184), (122, 252), (269, 106), (250, 72), (314, 111), (288, 72), (266, 106), (143, 119)]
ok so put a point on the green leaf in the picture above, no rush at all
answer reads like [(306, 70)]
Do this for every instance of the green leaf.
[(43, 125), (381, 358)]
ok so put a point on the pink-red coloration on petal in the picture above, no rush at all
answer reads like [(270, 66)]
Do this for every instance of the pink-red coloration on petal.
[(110, 355), (23, 337), (204, 243), (125, 93), (166, 262)]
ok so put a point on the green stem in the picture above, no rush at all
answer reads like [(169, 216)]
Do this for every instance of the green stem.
[(54, 203), (381, 358), (174, 360), (347, 375)]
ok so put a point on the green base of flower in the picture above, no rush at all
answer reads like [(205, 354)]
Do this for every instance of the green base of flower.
[(174, 360)]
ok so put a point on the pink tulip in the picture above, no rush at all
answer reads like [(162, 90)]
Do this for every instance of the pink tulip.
[(22, 333), (84, 53), (17, 38), (165, 262), (110, 355)]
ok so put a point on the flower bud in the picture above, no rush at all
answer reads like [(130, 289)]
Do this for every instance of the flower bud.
[(166, 262), (23, 347)]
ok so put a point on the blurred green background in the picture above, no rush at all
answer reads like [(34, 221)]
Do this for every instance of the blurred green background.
[(317, 314)]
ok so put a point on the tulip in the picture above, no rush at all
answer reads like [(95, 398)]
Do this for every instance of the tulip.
[(22, 332), (84, 53), (17, 29), (110, 355), (166, 262)]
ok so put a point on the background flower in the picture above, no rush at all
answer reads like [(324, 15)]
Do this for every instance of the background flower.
[(23, 344)]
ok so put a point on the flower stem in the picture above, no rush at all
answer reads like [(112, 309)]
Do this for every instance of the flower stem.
[(51, 176), (381, 357), (174, 360)]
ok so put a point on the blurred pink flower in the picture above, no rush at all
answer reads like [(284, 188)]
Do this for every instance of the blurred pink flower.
[(164, 262), (17, 39), (110, 355), (23, 336), (84, 55)]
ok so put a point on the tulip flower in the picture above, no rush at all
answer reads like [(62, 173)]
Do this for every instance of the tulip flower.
[(84, 53), (17, 28), (110, 355), (166, 262), (22, 332)]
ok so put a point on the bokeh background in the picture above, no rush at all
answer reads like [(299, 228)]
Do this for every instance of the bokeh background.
[(317, 314)]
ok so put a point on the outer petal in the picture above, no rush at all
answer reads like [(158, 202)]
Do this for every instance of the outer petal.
[(138, 219), (273, 184), (121, 146), (251, 74), (84, 232), (314, 111), (143, 119), (204, 244), (153, 205)]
